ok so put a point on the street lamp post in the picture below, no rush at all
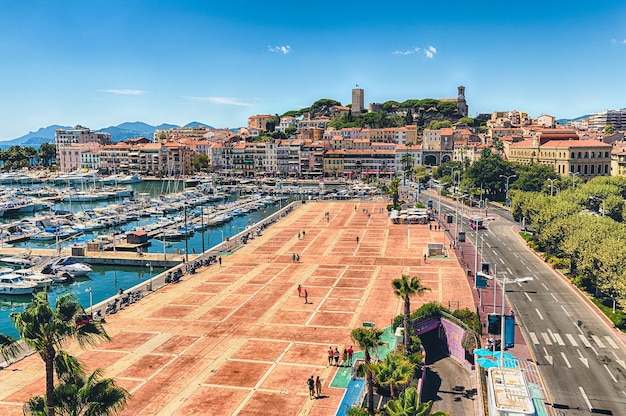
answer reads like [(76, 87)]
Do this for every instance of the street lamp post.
[(186, 235), (90, 290), (456, 220), (551, 186), (506, 188), (573, 176), (202, 225), (149, 266)]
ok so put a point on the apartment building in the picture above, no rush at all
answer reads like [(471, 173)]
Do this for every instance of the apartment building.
[(615, 118), (258, 121), (71, 143)]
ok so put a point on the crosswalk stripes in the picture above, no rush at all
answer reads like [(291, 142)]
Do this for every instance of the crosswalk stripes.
[(572, 340), (598, 341), (553, 338), (610, 341), (584, 340)]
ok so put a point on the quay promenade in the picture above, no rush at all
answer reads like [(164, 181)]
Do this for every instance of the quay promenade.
[(236, 339)]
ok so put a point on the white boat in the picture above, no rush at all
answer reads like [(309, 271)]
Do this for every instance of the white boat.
[(22, 259), (65, 266), (14, 284), (40, 279)]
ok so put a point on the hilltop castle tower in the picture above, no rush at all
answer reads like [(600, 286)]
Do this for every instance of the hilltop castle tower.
[(461, 104), (358, 100)]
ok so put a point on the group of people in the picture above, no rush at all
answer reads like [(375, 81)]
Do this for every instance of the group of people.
[(303, 292), (335, 355), (315, 387)]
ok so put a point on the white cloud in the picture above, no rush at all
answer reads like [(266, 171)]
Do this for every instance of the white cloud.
[(220, 100), (280, 49), (429, 52), (125, 92), (407, 52)]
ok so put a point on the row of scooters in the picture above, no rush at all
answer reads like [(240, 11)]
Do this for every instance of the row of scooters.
[(131, 297)]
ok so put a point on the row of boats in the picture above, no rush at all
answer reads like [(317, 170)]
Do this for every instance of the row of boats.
[(74, 178), (41, 274)]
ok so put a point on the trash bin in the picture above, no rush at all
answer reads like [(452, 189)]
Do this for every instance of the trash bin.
[(449, 219), (461, 236), (78, 251)]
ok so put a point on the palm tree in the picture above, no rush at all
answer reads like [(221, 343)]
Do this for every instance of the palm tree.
[(394, 372), (404, 289), (366, 339), (79, 394), (409, 404), (9, 348), (46, 329)]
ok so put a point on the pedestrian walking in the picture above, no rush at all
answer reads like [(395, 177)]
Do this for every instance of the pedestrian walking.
[(311, 384), (424, 258), (306, 297), (344, 358), (318, 387), (336, 356), (219, 259), (303, 233), (330, 355), (297, 258), (299, 291), (293, 257), (298, 235), (357, 239), (350, 354), (430, 227)]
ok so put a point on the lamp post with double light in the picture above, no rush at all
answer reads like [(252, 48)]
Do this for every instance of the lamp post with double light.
[(149, 266), (574, 174), (506, 187), (90, 290), (551, 186)]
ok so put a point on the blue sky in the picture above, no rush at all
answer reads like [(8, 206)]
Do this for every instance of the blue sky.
[(101, 63)]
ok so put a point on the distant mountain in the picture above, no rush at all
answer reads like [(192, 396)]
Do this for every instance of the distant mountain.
[(118, 133), (567, 120), (35, 138)]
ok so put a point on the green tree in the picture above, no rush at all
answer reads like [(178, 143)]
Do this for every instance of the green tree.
[(404, 288), (200, 162), (47, 153), (46, 330), (78, 394), (394, 373), (367, 339), (407, 161), (609, 129), (408, 404)]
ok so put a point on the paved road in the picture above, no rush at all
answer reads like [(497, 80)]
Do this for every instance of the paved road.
[(582, 361)]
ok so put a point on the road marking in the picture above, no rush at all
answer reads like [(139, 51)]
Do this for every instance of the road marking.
[(559, 340), (539, 313), (515, 254), (582, 392), (566, 360), (577, 327), (572, 340), (565, 310), (494, 252), (582, 359), (598, 341), (611, 374), (610, 341), (509, 270), (546, 287), (533, 338), (620, 362), (528, 296), (548, 357), (554, 297), (509, 248), (529, 269), (584, 340), (488, 245), (546, 338)]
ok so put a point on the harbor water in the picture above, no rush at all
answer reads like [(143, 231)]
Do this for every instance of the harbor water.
[(105, 282)]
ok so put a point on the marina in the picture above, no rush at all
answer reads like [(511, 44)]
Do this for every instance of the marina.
[(98, 233)]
